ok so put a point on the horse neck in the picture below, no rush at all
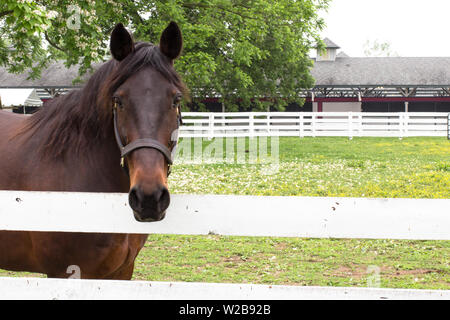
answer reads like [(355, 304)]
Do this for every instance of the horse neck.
[(104, 159), (95, 158), (99, 166)]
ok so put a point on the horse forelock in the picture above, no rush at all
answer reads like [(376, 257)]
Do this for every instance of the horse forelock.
[(145, 54)]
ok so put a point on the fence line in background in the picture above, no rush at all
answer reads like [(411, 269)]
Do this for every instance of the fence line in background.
[(315, 124)]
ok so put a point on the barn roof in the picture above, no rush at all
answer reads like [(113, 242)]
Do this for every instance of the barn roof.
[(343, 72), (56, 75), (383, 71)]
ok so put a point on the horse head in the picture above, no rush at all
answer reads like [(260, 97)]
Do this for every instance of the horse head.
[(145, 93)]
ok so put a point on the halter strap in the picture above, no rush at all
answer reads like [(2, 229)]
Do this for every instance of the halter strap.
[(147, 143), (140, 143)]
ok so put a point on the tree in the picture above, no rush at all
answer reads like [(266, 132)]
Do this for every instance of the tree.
[(244, 51)]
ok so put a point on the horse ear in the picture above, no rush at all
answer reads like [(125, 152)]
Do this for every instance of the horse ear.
[(121, 43), (171, 41)]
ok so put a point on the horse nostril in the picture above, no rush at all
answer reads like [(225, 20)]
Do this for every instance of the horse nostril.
[(164, 199), (134, 199)]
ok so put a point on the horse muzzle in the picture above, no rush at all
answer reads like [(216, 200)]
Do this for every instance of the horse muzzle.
[(149, 207)]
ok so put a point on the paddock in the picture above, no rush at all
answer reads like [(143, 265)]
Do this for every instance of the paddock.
[(414, 219)]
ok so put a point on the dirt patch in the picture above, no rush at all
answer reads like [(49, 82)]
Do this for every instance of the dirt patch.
[(414, 272), (282, 246), (354, 271), (361, 271), (314, 260)]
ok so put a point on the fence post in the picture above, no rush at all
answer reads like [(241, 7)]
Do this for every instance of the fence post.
[(313, 125), (211, 126), (251, 125), (350, 125), (301, 125), (405, 124), (448, 126), (360, 124), (401, 125)]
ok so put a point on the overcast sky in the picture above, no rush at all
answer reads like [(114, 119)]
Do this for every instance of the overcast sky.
[(414, 28)]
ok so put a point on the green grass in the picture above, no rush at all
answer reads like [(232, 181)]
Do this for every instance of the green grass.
[(362, 167), (290, 261)]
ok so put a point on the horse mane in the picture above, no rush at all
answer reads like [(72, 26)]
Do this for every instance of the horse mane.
[(82, 118)]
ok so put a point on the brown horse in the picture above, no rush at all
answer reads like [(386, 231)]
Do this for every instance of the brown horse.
[(71, 144)]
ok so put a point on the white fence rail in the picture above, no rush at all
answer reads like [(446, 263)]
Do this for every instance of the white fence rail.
[(226, 215), (415, 219), (68, 289), (314, 124)]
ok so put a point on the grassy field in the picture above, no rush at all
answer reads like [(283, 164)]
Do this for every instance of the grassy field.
[(362, 167)]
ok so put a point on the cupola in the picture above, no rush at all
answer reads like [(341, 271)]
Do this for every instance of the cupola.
[(330, 51)]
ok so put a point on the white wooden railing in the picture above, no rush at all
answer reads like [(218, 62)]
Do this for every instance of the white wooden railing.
[(314, 124), (224, 215)]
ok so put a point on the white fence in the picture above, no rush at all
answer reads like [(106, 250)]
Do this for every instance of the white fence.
[(314, 124), (225, 215)]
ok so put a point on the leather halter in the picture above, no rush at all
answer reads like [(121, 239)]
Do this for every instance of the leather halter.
[(147, 143)]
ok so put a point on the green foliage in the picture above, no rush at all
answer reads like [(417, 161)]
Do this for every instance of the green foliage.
[(238, 50)]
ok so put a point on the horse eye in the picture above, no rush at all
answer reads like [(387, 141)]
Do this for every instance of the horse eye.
[(177, 100)]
